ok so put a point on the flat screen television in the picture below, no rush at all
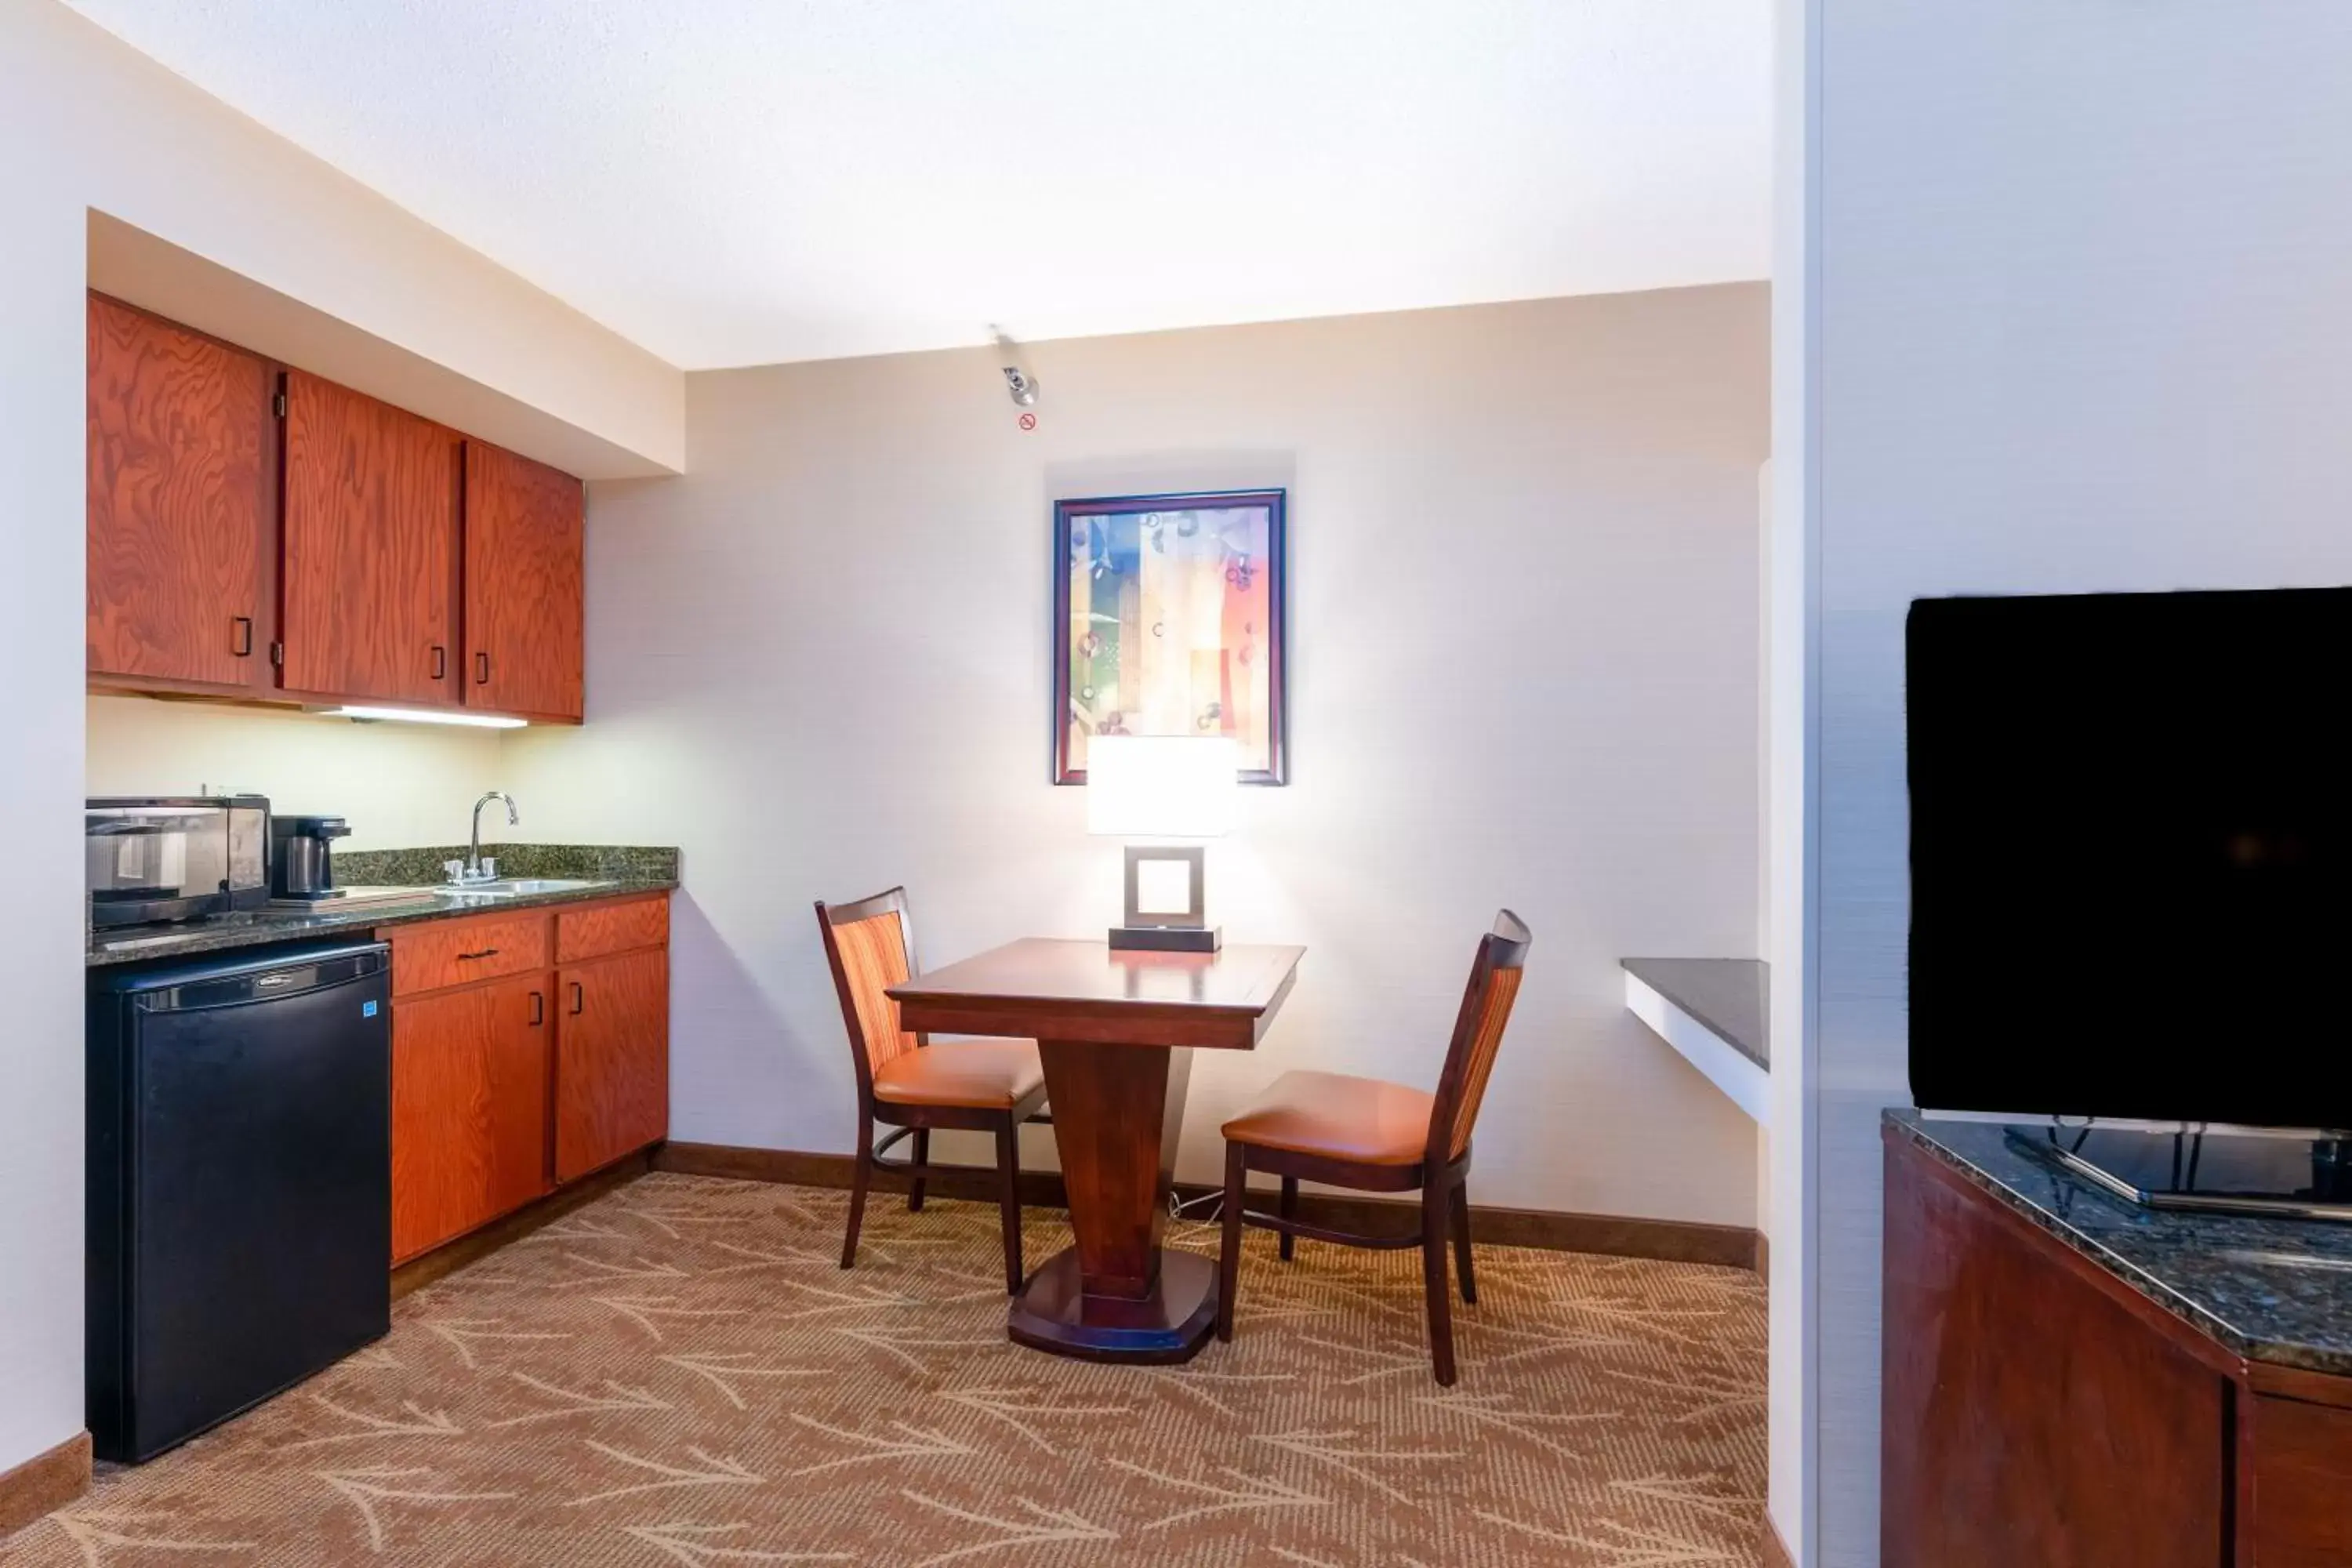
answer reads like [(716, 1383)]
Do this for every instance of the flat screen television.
[(2131, 855)]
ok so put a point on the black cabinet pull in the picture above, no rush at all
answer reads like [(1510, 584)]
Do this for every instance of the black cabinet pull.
[(440, 661), (538, 1009), (241, 635), (485, 953), (481, 669), (579, 999)]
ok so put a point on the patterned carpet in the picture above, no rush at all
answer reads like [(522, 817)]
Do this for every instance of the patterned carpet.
[(678, 1374)]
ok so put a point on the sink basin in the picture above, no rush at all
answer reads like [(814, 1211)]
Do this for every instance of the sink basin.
[(524, 887)]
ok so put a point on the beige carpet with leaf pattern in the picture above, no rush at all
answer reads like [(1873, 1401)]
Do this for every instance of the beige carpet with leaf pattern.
[(679, 1374)]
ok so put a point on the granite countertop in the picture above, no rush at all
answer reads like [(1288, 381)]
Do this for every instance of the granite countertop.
[(2276, 1290), (1732, 996), (613, 871)]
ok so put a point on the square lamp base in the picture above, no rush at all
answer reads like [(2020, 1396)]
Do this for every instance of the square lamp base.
[(1168, 939)]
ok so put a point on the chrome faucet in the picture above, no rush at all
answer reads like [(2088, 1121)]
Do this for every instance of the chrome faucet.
[(474, 868)]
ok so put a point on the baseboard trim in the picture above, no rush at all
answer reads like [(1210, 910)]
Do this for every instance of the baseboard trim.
[(1670, 1240), (1776, 1551), (44, 1483), (476, 1245)]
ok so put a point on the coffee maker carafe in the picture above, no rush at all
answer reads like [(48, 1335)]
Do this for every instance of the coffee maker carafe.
[(302, 856)]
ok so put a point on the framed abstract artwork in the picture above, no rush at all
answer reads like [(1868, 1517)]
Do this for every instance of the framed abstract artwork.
[(1167, 620)]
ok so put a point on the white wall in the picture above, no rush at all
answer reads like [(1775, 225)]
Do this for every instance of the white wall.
[(365, 292), (2081, 320), (1524, 562), (89, 124), (41, 348), (1791, 788), (402, 786)]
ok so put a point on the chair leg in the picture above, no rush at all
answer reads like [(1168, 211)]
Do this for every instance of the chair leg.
[(922, 1142), (1008, 1175), (1289, 1246), (1432, 1268), (1229, 1260), (1461, 1207), (858, 1182)]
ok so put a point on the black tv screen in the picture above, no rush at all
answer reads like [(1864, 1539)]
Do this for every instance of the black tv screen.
[(2131, 855)]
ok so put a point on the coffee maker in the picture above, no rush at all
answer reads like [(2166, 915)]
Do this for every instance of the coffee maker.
[(301, 858)]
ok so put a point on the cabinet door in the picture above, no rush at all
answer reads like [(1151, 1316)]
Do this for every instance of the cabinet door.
[(524, 525), (178, 502), (2027, 1414), (2301, 1456), (370, 561), (612, 1066), (469, 1086)]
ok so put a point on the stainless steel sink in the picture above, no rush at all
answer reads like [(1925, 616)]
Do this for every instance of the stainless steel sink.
[(525, 887)]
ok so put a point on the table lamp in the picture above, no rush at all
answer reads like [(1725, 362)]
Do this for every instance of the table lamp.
[(1163, 786)]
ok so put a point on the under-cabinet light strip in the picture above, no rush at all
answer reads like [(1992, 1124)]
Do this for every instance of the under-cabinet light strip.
[(425, 716)]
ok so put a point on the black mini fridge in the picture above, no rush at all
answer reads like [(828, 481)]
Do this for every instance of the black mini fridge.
[(239, 1184)]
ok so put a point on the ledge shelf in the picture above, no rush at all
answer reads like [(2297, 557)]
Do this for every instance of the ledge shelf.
[(1717, 1013)]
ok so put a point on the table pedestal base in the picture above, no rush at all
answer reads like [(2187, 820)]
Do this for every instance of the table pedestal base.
[(1054, 1313)]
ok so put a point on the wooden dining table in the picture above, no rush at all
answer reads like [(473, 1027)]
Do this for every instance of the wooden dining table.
[(1116, 1031)]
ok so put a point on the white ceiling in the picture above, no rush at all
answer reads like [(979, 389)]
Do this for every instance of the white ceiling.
[(740, 181)]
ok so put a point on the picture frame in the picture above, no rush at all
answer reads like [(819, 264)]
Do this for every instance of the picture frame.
[(1170, 617)]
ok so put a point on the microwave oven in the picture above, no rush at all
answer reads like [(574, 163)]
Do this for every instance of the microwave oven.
[(160, 857)]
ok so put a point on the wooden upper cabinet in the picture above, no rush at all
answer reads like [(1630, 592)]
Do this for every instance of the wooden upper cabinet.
[(179, 498), (524, 525), (371, 548), (388, 558)]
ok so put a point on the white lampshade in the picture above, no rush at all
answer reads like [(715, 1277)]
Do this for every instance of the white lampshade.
[(1161, 786)]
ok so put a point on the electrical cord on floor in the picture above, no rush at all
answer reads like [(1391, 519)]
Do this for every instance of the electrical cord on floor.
[(1176, 1206)]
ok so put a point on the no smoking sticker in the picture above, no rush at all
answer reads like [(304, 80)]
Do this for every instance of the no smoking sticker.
[(1028, 422)]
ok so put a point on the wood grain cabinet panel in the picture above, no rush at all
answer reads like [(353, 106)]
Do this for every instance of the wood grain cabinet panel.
[(611, 927), (179, 502), (370, 578), (469, 1088), (433, 954), (524, 531), (2302, 1460), (611, 1068), (2029, 1415)]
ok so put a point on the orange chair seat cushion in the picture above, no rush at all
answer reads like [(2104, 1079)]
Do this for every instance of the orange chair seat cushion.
[(989, 1074), (1364, 1119)]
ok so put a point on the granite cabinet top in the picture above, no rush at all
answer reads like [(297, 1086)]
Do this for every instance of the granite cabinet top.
[(1732, 996), (2277, 1290), (615, 872)]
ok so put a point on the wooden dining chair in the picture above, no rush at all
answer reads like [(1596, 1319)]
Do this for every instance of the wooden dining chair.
[(1379, 1137), (914, 1084)]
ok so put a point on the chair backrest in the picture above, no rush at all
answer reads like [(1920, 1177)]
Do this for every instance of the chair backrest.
[(1477, 1036), (870, 944)]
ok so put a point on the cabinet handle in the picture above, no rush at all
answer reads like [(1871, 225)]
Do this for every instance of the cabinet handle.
[(440, 661), (481, 669), (485, 953), (538, 1009), (579, 999), (241, 636)]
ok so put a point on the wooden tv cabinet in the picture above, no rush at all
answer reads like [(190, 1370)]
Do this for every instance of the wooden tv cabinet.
[(2073, 1382)]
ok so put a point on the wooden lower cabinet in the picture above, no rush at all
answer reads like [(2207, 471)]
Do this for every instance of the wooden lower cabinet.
[(504, 1088), (611, 1073), (2299, 1462), (469, 1088), (2036, 1410)]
